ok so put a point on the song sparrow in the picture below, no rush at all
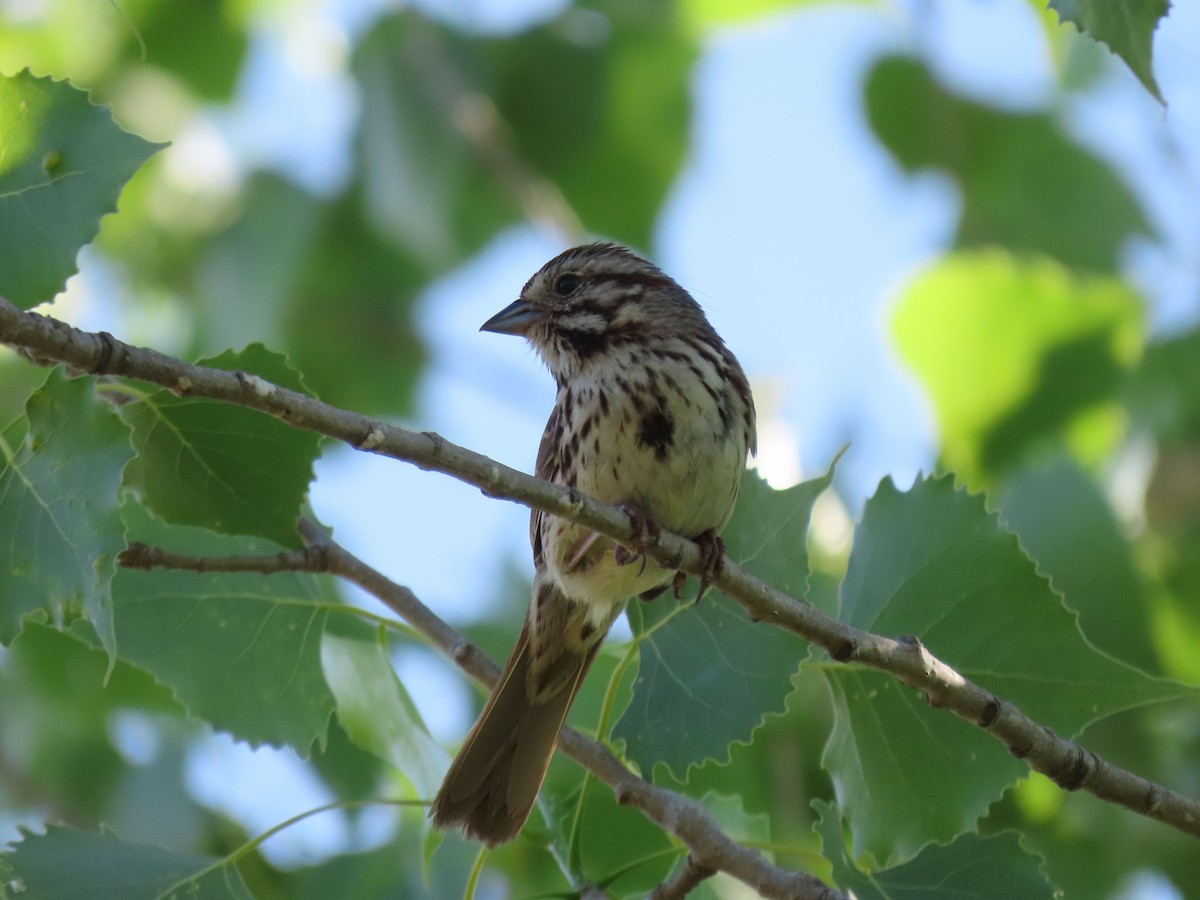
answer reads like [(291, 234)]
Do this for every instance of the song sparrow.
[(654, 413)]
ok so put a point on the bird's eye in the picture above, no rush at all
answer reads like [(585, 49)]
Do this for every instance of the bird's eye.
[(566, 285)]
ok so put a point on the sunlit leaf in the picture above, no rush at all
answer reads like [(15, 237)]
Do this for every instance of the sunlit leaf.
[(711, 14), (1017, 353)]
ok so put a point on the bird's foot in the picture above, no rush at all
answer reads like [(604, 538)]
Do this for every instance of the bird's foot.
[(645, 535), (712, 561)]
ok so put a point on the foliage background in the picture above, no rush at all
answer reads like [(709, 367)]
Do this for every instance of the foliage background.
[(970, 194)]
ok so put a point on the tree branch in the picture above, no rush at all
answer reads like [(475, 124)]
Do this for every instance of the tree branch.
[(684, 882), (141, 556), (1069, 764), (711, 849)]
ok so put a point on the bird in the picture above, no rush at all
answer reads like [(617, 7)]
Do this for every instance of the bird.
[(652, 413)]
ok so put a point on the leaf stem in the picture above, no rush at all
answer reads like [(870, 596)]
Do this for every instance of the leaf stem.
[(255, 842)]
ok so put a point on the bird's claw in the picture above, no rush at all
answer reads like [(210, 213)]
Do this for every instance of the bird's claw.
[(645, 535), (712, 561)]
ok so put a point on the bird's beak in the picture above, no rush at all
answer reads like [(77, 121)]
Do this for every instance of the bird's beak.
[(516, 318)]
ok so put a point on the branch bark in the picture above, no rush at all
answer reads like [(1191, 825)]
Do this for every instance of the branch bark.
[(1069, 764)]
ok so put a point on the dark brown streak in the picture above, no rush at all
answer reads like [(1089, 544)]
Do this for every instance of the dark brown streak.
[(586, 344), (657, 431)]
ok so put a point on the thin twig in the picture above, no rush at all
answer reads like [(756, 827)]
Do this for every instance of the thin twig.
[(1069, 764), (141, 556)]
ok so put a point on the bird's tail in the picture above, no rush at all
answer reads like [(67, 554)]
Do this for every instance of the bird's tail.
[(493, 782)]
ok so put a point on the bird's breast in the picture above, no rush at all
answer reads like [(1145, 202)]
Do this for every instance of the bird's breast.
[(666, 442)]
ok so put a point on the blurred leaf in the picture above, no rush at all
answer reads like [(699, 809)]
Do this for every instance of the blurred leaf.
[(57, 698), (1015, 353), (932, 562), (706, 15), (349, 325), (247, 276), (64, 864), (1165, 394), (200, 42), (1065, 524), (381, 873), (1025, 185), (1125, 26), (599, 101), (240, 651), (707, 674), (75, 38), (425, 186), (324, 285), (222, 466), (1164, 399), (995, 868), (60, 531), (374, 707), (63, 164)]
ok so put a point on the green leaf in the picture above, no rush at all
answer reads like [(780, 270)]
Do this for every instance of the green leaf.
[(60, 530), (583, 93), (373, 706), (425, 185), (263, 254), (201, 43), (1066, 525), (59, 698), (1024, 184), (1126, 27), (995, 868), (932, 562), (707, 674), (221, 466), (241, 651), (905, 774), (350, 327), (62, 164), (1165, 394), (64, 864), (601, 842), (1016, 353)]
